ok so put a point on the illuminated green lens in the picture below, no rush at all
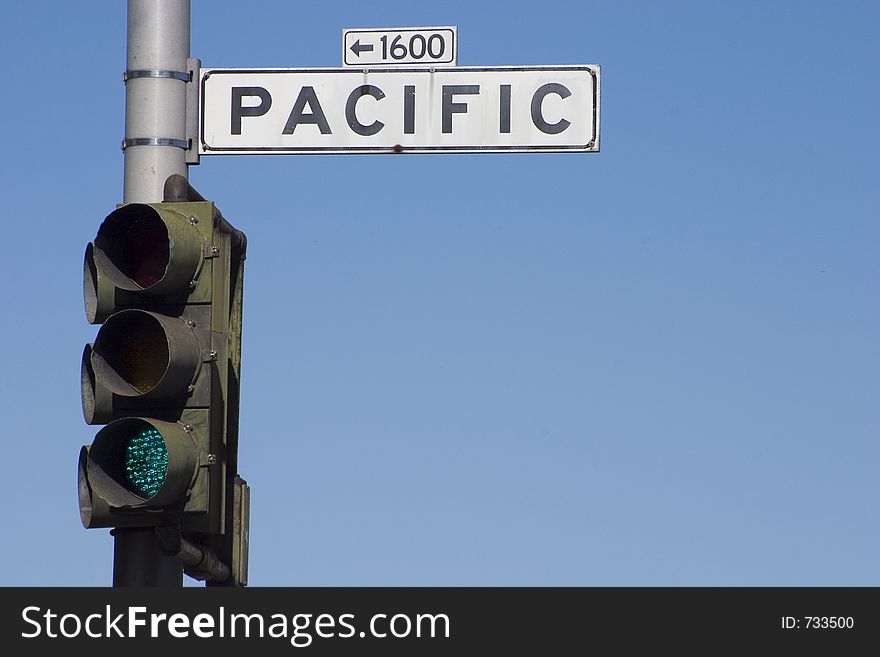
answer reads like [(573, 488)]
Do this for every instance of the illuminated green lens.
[(145, 461)]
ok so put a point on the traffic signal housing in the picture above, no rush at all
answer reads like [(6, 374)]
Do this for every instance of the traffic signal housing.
[(164, 282)]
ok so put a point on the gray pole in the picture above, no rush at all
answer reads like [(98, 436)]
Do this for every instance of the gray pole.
[(155, 96), (155, 139)]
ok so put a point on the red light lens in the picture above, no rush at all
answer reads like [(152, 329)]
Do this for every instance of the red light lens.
[(145, 251)]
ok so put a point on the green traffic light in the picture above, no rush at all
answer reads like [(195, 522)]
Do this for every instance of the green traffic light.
[(140, 462), (145, 461)]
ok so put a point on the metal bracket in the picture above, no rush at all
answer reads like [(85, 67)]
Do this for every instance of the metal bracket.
[(199, 562), (192, 110), (184, 76), (156, 141)]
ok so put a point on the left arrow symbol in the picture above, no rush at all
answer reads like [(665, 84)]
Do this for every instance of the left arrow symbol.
[(357, 48)]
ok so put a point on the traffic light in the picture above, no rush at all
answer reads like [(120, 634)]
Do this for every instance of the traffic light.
[(164, 281)]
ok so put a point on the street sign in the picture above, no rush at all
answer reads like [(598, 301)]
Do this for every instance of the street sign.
[(404, 46), (396, 110)]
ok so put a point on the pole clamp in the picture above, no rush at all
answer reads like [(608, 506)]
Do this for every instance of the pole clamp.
[(183, 76), (155, 141)]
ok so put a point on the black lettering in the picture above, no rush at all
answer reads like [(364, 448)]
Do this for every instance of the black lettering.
[(238, 93), (450, 107), (308, 96), (351, 105), (504, 118), (538, 102), (409, 109)]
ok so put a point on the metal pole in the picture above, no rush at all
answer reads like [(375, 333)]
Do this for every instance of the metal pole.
[(139, 561), (155, 96), (154, 148)]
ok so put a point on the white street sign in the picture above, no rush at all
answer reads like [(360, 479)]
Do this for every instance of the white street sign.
[(403, 46), (395, 110)]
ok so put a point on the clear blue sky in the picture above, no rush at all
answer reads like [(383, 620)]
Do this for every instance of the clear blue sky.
[(654, 365)]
